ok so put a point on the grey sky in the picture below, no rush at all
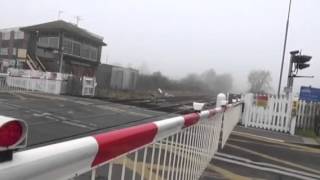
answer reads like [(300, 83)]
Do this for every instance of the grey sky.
[(182, 36)]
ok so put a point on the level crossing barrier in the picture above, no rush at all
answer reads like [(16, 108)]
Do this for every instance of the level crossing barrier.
[(176, 148)]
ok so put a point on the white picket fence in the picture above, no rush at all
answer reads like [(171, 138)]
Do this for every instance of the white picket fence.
[(307, 114), (22, 80), (275, 115), (14, 84)]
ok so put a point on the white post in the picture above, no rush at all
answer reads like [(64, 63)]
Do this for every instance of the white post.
[(293, 125), (221, 100)]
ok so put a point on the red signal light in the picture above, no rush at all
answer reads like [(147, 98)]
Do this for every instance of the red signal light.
[(10, 133)]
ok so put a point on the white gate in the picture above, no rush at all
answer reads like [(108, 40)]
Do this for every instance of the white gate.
[(88, 86), (269, 112)]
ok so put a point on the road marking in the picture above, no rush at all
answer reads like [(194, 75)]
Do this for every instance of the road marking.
[(310, 141), (282, 146), (260, 137), (118, 110), (83, 102), (274, 159), (263, 168), (245, 160), (275, 141), (129, 164), (41, 115), (19, 96), (227, 174)]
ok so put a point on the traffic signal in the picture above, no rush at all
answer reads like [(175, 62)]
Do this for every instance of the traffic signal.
[(301, 60)]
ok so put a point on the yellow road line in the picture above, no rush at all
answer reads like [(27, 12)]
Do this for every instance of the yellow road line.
[(129, 164), (260, 138), (227, 174), (274, 159), (270, 145)]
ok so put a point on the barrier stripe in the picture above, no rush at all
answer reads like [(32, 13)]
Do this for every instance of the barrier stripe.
[(115, 143), (191, 119)]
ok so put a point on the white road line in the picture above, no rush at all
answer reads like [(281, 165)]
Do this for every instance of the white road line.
[(267, 164), (263, 168), (252, 135)]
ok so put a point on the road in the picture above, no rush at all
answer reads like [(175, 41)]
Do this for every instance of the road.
[(53, 118)]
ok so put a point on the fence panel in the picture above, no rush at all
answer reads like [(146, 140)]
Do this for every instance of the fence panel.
[(270, 113), (230, 120), (176, 148), (307, 115), (21, 80)]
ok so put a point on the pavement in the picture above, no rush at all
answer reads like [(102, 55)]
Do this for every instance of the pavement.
[(259, 154), (57, 118)]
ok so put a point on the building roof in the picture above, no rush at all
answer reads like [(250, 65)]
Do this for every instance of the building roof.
[(65, 26)]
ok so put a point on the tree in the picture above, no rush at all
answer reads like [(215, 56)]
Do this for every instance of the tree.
[(192, 82), (259, 81), (223, 83)]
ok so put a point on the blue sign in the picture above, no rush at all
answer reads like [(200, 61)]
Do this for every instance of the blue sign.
[(309, 94)]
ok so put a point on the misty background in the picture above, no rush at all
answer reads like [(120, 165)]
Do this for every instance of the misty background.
[(184, 37)]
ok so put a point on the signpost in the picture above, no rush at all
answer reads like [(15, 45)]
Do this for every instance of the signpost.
[(309, 94)]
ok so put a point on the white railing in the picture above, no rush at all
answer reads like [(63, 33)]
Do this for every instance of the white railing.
[(306, 114), (176, 148), (270, 112), (231, 118), (17, 80)]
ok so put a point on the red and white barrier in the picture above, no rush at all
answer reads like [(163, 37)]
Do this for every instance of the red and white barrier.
[(184, 146)]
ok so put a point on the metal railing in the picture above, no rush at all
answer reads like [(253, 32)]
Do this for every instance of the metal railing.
[(175, 148)]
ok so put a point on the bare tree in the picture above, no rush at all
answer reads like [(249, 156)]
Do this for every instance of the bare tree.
[(259, 81)]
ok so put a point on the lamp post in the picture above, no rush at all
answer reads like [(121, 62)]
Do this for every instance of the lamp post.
[(284, 48)]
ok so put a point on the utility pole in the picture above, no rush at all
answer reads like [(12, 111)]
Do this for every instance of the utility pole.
[(78, 19), (59, 14), (284, 48)]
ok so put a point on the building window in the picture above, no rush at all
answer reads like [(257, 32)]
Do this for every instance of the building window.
[(4, 51), (85, 51), (93, 53), (76, 48), (52, 42), (14, 51), (67, 46), (6, 35), (18, 35)]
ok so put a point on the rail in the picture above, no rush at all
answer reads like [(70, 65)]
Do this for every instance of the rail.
[(176, 148)]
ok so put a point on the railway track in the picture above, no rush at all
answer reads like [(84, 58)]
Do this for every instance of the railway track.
[(178, 104)]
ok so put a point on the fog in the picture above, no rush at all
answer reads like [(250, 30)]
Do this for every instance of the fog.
[(181, 37)]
